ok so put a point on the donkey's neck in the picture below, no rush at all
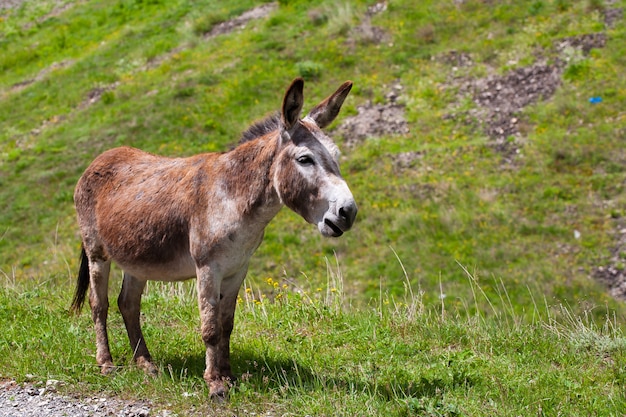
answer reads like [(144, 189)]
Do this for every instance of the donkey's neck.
[(247, 169)]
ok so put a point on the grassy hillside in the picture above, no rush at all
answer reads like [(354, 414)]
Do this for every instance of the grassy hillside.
[(79, 78), (492, 186)]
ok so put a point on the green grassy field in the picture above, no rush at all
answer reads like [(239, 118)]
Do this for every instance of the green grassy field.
[(301, 353), (467, 286)]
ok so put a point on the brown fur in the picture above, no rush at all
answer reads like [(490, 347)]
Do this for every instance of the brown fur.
[(170, 219)]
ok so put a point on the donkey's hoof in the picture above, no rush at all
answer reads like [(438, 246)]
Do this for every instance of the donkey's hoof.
[(147, 366), (107, 368), (218, 391)]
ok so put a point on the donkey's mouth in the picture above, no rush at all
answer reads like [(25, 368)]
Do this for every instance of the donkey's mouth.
[(336, 230)]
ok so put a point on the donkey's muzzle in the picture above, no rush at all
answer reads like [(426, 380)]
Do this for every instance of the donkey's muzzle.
[(334, 224)]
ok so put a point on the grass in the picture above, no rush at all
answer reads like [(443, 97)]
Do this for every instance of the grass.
[(312, 353), (489, 250)]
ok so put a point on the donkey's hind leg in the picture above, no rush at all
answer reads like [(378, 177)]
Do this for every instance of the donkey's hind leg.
[(99, 302), (129, 303)]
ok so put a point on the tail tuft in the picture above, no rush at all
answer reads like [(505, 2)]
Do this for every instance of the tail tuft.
[(82, 284)]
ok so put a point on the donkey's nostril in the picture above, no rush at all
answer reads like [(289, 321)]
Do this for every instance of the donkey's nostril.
[(348, 213)]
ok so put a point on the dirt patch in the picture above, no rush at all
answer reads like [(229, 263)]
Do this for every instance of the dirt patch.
[(613, 274), (612, 16), (501, 99), (96, 93), (377, 8), (56, 11), (365, 32), (11, 4), (375, 120), (456, 59), (585, 43), (242, 20), (41, 75), (406, 160), (223, 28)]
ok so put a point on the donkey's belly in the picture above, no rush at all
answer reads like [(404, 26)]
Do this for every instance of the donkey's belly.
[(171, 260), (178, 269)]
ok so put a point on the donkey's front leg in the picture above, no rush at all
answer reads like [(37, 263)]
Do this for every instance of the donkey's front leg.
[(228, 303), (209, 304), (227, 319)]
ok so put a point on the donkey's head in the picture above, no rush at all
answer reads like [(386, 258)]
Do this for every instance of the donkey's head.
[(306, 172)]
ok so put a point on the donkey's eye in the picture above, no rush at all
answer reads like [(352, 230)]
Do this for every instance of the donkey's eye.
[(305, 160)]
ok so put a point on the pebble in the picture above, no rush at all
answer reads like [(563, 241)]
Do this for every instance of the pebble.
[(29, 400)]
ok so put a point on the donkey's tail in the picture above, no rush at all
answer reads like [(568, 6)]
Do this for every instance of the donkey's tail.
[(82, 283)]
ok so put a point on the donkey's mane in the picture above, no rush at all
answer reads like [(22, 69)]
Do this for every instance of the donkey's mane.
[(261, 128)]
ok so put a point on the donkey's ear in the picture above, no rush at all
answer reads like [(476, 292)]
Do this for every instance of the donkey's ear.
[(292, 103), (325, 112)]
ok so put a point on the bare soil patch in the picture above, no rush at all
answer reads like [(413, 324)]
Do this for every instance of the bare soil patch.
[(95, 94), (11, 4), (407, 160), (501, 99), (612, 15), (585, 43), (375, 120), (242, 20), (613, 273), (41, 75), (365, 32)]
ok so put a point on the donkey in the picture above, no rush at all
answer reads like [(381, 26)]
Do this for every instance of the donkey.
[(204, 216)]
